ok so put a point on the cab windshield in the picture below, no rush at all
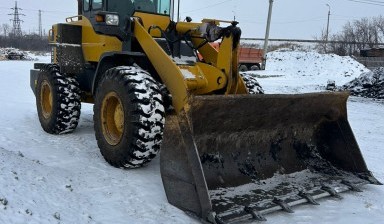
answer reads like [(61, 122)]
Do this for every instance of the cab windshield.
[(128, 7), (153, 6)]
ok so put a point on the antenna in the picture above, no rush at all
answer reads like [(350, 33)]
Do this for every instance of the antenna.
[(16, 20)]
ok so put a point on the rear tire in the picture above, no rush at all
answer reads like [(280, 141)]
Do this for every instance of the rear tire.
[(243, 68), (128, 117), (57, 101), (252, 84), (255, 67)]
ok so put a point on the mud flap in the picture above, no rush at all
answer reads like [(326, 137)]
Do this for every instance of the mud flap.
[(230, 158)]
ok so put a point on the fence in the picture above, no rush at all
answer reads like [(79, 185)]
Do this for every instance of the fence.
[(371, 62), (308, 41)]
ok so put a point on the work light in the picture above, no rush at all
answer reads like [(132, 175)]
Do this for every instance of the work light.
[(112, 19)]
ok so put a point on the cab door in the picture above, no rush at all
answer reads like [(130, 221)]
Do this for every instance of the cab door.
[(91, 7), (86, 8)]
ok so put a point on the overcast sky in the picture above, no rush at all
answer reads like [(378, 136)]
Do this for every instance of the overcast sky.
[(300, 19)]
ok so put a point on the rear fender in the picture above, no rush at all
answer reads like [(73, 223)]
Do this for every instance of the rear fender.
[(34, 75)]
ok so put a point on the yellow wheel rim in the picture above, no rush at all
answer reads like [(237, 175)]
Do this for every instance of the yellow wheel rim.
[(46, 99), (112, 118)]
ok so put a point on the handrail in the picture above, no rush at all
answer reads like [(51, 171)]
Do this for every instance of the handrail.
[(72, 18)]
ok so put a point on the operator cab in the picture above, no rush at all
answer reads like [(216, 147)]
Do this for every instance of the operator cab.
[(112, 17), (124, 8)]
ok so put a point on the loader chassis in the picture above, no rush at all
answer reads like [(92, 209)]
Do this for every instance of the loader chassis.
[(219, 134)]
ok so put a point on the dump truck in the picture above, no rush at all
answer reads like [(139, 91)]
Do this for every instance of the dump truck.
[(228, 152), (250, 58)]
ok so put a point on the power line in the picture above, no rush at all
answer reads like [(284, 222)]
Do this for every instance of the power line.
[(50, 11), (36, 10), (378, 3), (247, 20), (374, 1), (302, 21), (208, 6)]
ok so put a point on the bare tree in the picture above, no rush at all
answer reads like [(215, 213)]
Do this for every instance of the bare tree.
[(5, 28), (379, 23), (322, 45), (354, 36)]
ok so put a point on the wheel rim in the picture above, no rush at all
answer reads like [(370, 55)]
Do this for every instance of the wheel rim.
[(46, 99), (112, 118)]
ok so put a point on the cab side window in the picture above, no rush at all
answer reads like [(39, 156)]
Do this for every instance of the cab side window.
[(97, 4), (145, 5), (86, 5), (163, 7), (123, 8)]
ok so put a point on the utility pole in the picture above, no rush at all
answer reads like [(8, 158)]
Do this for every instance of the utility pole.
[(178, 11), (326, 37), (263, 65), (16, 20), (40, 25)]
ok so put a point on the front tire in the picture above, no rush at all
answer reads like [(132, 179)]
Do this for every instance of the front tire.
[(128, 117), (252, 84), (57, 101)]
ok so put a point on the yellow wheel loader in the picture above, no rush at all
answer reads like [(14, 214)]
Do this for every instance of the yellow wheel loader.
[(228, 152)]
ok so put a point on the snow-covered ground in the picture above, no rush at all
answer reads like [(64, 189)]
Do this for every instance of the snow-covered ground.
[(298, 71), (64, 179)]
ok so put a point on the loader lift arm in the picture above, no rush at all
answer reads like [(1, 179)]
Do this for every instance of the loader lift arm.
[(219, 71)]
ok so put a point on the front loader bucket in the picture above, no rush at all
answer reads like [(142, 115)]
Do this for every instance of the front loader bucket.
[(230, 158)]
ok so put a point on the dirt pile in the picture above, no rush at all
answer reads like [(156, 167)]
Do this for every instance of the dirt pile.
[(369, 84), (14, 54)]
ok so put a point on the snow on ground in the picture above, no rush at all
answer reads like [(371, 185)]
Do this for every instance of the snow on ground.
[(298, 71), (64, 179)]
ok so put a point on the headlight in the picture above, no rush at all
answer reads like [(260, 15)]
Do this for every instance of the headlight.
[(112, 19)]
